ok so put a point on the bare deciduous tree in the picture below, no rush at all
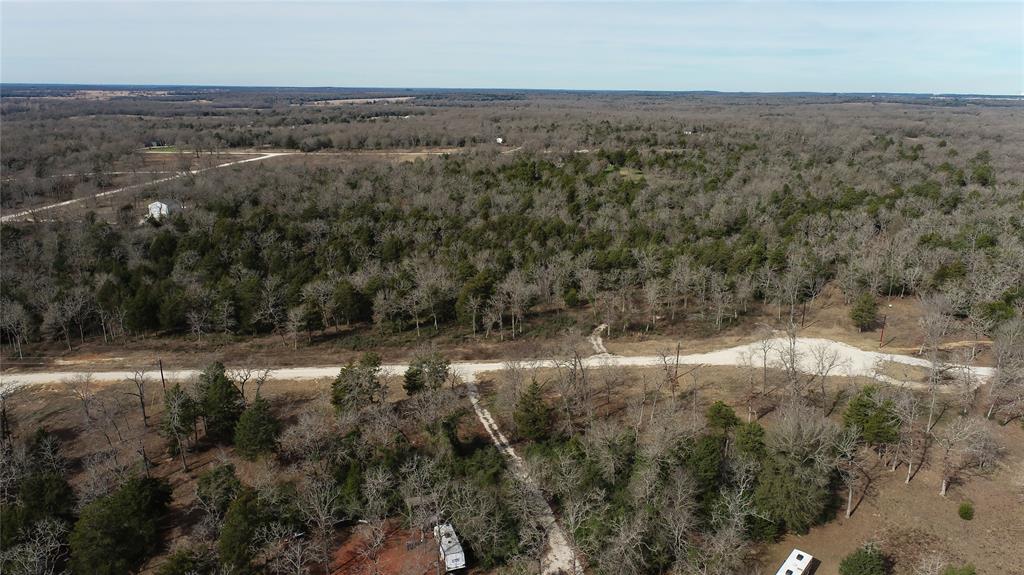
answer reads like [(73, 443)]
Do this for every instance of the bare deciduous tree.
[(1007, 384), (319, 295), (80, 387), (847, 446), (271, 308), (286, 553), (790, 357), (930, 564), (319, 502), (964, 445), (935, 323), (139, 381), (14, 324), (376, 488), (41, 552)]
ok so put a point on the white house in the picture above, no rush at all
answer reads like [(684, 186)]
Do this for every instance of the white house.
[(450, 548), (159, 210), (798, 563)]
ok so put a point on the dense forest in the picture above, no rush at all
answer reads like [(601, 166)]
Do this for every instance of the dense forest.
[(630, 210), (638, 215)]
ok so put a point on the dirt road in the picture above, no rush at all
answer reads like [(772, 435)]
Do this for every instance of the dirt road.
[(850, 362), (25, 213)]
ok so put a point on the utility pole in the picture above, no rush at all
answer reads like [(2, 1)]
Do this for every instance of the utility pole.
[(675, 373), (163, 383), (881, 336)]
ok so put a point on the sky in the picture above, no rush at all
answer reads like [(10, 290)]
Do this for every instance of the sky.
[(921, 46)]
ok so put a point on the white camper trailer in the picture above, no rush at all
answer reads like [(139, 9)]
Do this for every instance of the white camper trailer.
[(798, 563), (451, 549), (159, 210)]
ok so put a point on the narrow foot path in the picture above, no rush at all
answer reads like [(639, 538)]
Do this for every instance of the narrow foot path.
[(596, 341)]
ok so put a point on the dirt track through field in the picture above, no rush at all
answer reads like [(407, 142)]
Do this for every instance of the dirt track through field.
[(559, 556), (850, 362), (25, 213)]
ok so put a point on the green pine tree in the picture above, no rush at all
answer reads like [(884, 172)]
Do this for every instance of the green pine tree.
[(721, 417), (188, 561), (243, 518), (257, 430), (704, 462), (221, 403), (792, 493), (218, 487), (875, 418), (864, 312), (532, 415), (116, 533), (358, 384), (750, 440)]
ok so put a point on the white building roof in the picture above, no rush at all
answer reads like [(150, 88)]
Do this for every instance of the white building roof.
[(451, 549), (798, 563)]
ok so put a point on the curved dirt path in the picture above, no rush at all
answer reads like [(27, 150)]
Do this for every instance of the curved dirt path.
[(25, 213), (851, 362), (559, 556), (595, 339)]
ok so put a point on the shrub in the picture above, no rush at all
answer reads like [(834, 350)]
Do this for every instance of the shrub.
[(257, 430), (571, 297), (116, 533), (358, 384), (868, 560), (966, 511), (427, 371), (188, 562)]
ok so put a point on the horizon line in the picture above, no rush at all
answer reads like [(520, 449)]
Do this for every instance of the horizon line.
[(506, 89)]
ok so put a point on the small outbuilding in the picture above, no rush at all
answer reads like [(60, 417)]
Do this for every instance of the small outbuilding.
[(160, 209), (499, 140), (450, 548), (798, 563)]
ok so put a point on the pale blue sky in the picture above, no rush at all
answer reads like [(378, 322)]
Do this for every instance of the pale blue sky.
[(824, 46)]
